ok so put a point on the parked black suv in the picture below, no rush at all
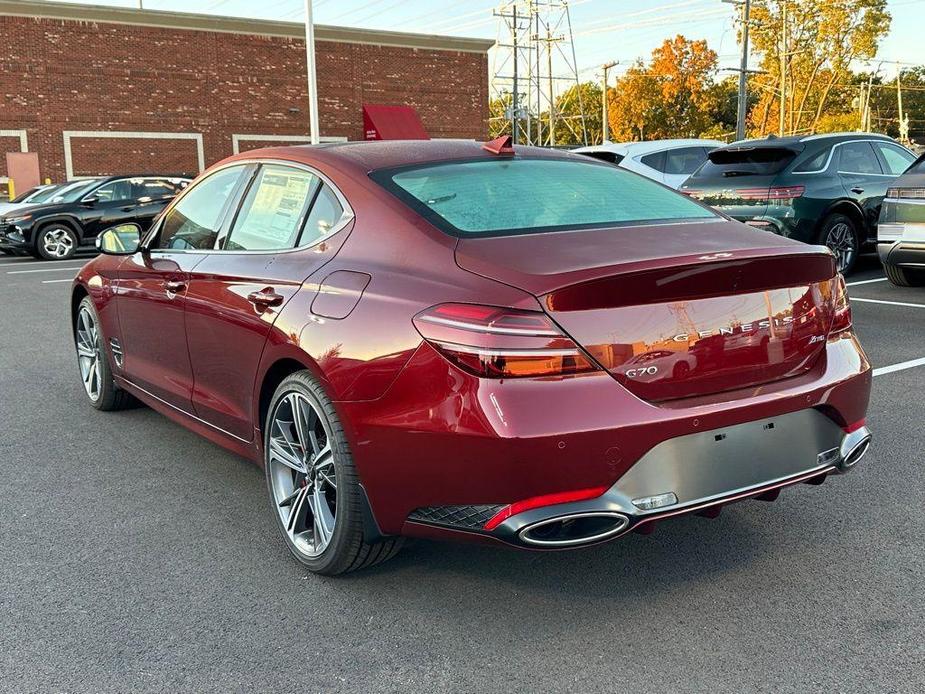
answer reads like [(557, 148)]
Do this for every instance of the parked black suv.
[(82, 209), (824, 189)]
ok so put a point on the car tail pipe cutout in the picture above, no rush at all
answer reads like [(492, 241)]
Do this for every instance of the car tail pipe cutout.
[(854, 446)]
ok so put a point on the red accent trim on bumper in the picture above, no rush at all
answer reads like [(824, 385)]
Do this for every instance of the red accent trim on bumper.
[(540, 501)]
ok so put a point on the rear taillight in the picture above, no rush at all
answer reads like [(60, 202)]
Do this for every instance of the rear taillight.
[(906, 193), (495, 342), (842, 319), (771, 194)]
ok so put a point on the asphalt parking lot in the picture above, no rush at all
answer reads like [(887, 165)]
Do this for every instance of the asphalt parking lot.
[(135, 555)]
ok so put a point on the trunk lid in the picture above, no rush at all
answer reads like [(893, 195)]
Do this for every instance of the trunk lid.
[(673, 313)]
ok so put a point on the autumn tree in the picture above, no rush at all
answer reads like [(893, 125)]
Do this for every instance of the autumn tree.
[(671, 95), (823, 38)]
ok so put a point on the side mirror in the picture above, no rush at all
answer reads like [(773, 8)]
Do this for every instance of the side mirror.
[(90, 201), (123, 239)]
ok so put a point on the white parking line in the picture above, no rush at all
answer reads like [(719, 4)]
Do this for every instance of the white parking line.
[(902, 366), (888, 303), (855, 284), (46, 269), (18, 261), (69, 279)]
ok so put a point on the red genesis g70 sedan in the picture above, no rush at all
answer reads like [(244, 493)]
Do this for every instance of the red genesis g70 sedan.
[(447, 339)]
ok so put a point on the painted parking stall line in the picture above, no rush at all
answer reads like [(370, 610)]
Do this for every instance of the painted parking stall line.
[(860, 282), (48, 269), (887, 303), (69, 279), (902, 366)]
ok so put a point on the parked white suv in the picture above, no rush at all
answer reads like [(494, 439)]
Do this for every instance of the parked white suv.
[(667, 161)]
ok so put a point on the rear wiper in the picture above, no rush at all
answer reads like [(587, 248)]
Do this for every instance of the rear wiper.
[(442, 198)]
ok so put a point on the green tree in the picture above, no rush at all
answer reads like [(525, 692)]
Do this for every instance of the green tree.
[(823, 38)]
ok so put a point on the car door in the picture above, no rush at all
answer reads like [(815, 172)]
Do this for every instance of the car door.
[(152, 285), (237, 292), (108, 205), (863, 180)]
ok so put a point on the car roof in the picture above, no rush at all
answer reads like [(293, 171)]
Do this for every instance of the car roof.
[(798, 141), (633, 148), (366, 156)]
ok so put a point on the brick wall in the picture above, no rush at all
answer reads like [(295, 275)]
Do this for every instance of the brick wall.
[(66, 75)]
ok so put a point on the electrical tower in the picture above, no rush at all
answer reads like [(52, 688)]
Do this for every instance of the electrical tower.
[(533, 69)]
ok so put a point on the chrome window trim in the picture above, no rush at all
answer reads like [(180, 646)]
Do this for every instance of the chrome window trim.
[(346, 218), (828, 161)]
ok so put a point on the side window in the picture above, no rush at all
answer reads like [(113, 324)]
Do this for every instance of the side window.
[(148, 189), (815, 162), (685, 160), (194, 222), (895, 159), (858, 158), (326, 212), (655, 161), (272, 213), (115, 191)]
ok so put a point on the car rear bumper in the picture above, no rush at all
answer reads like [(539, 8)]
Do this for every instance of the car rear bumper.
[(698, 473), (440, 444), (902, 253)]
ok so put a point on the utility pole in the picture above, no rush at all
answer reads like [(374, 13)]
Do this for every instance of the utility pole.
[(552, 93), (606, 111), (783, 68), (903, 121), (743, 73), (515, 97), (312, 74)]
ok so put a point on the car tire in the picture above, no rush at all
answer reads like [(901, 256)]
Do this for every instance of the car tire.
[(902, 277), (840, 233), (325, 494), (55, 241), (93, 362)]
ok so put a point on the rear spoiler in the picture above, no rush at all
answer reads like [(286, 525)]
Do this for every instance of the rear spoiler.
[(764, 151)]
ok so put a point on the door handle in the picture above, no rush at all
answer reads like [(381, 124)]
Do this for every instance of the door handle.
[(265, 297), (174, 286), (857, 190), (127, 209)]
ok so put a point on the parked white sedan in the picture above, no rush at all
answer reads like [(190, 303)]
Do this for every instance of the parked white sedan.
[(667, 161)]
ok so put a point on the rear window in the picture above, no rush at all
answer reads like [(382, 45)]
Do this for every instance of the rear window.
[(756, 161), (521, 196)]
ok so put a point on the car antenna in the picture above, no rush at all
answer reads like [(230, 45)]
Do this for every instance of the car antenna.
[(500, 145)]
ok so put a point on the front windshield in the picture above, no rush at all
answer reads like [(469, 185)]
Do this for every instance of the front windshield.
[(72, 192), (43, 195)]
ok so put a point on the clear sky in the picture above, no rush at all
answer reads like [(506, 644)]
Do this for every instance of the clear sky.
[(620, 30)]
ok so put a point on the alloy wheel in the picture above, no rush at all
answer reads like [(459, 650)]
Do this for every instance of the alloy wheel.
[(302, 473), (843, 243), (88, 353), (57, 243)]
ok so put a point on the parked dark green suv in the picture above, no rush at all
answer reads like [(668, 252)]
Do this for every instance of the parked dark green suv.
[(822, 189)]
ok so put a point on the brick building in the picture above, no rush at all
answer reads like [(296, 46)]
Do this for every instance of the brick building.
[(103, 90)]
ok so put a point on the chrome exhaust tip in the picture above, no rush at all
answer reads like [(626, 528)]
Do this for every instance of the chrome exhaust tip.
[(853, 448), (574, 529)]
